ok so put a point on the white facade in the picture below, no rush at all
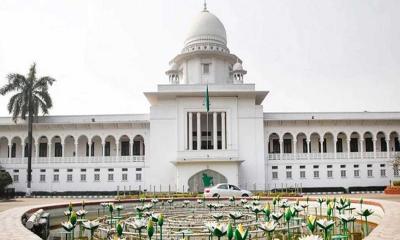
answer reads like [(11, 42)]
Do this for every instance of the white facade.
[(179, 140)]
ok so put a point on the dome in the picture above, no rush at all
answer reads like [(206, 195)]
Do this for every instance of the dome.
[(237, 67), (206, 27)]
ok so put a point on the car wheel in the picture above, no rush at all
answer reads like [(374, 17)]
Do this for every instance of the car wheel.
[(216, 195), (245, 195)]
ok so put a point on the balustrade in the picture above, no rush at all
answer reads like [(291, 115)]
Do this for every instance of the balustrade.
[(330, 155), (92, 159)]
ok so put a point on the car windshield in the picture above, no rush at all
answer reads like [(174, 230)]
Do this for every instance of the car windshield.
[(223, 186)]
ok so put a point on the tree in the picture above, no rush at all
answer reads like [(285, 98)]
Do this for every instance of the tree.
[(31, 95)]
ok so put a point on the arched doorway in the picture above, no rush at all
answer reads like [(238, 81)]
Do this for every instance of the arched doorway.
[(205, 178)]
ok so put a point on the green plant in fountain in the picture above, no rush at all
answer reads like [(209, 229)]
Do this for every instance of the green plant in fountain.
[(120, 230), (365, 213), (326, 226), (139, 224), (311, 223), (288, 216), (345, 220), (274, 202), (229, 231), (140, 210), (232, 200), (111, 209), (267, 211), (320, 201), (240, 233), (268, 227), (217, 229), (235, 216), (91, 226), (160, 223), (361, 202), (256, 210), (150, 228), (119, 208)]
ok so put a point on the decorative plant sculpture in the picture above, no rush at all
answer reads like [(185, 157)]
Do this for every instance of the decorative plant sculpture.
[(311, 223), (240, 233), (320, 200), (91, 226), (217, 229), (235, 216), (160, 223), (267, 211), (325, 225), (288, 216), (268, 227), (150, 229), (366, 213), (256, 210)]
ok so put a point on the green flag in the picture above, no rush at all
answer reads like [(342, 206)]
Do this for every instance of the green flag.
[(207, 100)]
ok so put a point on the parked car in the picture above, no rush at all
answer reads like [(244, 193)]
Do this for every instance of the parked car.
[(226, 190)]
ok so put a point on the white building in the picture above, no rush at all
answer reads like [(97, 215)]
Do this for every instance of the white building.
[(178, 141)]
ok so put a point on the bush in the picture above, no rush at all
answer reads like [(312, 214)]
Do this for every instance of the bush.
[(396, 183), (5, 180)]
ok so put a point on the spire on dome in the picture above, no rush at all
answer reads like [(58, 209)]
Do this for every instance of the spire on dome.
[(205, 6)]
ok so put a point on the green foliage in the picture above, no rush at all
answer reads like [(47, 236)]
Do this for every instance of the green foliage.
[(73, 218), (119, 229), (396, 183), (5, 180)]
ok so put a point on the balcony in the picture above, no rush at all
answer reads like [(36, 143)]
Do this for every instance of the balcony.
[(76, 160), (208, 155), (331, 155)]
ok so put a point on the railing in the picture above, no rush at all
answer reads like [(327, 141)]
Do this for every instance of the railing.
[(330, 155), (55, 160), (208, 154)]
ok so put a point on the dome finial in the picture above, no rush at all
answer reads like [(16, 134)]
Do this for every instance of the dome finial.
[(205, 6)]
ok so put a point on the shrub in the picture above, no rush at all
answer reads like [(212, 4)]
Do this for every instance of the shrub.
[(396, 183), (5, 180)]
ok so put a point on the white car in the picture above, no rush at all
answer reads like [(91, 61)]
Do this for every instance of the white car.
[(226, 190)]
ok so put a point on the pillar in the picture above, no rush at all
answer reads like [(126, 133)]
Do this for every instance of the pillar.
[(117, 146), (321, 144), (215, 135), (76, 150), (387, 147), (49, 150), (198, 131), (37, 149), (308, 148), (223, 129), (294, 148), (9, 150), (190, 131), (90, 148), (63, 149), (361, 148), (374, 141), (130, 153), (281, 148), (23, 150), (334, 146), (348, 148), (103, 145)]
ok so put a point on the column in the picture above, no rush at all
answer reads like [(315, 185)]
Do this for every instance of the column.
[(223, 130), (190, 131), (294, 149), (186, 137), (90, 148), (215, 135), (63, 149), (37, 149), (281, 148), (374, 141), (361, 148), (49, 150), (76, 150), (321, 144), (130, 149), (334, 146), (103, 145), (308, 148), (23, 150), (348, 148), (387, 147), (117, 145), (9, 150), (198, 131)]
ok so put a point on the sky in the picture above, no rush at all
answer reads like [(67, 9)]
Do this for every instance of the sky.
[(312, 55)]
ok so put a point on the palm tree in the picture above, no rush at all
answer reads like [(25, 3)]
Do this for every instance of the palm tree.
[(31, 95)]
